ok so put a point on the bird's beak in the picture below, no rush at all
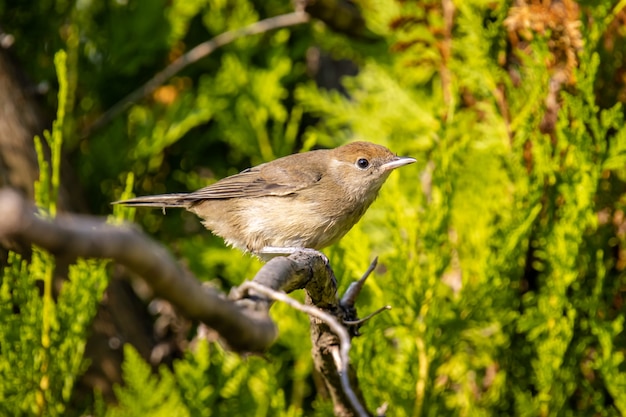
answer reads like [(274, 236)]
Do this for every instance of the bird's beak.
[(397, 162)]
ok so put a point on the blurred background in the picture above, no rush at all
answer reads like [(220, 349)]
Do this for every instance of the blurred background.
[(502, 250)]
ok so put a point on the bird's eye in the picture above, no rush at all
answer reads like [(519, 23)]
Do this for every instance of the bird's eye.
[(362, 163)]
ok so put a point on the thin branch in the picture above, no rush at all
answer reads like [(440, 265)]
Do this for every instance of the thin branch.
[(342, 359), (86, 237), (349, 297), (202, 50), (365, 319)]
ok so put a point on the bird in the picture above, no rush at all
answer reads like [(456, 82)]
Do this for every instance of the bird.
[(307, 200)]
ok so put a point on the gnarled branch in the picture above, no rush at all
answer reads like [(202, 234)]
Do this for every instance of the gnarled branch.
[(87, 237), (243, 320)]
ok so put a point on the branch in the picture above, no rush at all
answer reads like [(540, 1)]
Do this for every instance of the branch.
[(342, 359), (309, 269), (242, 321), (85, 237), (202, 50), (349, 298)]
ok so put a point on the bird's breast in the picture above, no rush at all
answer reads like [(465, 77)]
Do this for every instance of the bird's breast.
[(295, 221)]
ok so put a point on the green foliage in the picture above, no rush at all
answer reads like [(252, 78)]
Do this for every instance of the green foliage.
[(207, 382), (234, 100), (499, 282), (144, 394), (43, 337), (502, 251)]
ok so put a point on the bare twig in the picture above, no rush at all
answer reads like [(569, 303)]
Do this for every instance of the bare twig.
[(359, 322), (82, 236), (349, 298), (202, 50), (342, 356)]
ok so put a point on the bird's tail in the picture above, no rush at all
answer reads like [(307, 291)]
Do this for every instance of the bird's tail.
[(163, 200)]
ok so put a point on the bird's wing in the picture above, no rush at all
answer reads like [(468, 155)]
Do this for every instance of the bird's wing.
[(264, 180)]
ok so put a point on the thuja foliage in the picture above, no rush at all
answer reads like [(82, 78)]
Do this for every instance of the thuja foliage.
[(501, 250), (43, 335), (207, 382), (506, 265)]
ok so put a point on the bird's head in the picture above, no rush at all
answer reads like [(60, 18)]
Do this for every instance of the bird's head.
[(361, 168)]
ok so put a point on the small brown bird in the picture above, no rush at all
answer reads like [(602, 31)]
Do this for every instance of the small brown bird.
[(306, 200)]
